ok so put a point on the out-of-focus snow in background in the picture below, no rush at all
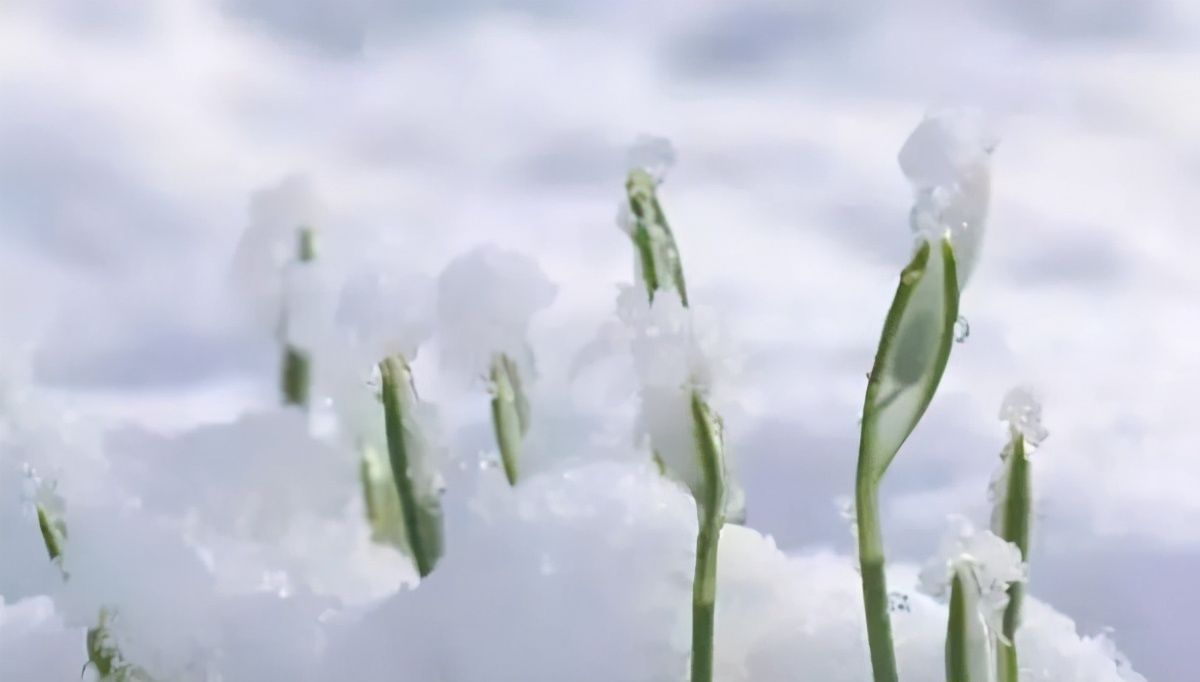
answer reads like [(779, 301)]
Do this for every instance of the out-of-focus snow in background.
[(133, 135)]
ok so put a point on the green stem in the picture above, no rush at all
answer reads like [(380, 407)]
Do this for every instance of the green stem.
[(704, 598), (957, 640), (396, 403), (295, 376), (710, 505), (874, 580), (1015, 521), (510, 414)]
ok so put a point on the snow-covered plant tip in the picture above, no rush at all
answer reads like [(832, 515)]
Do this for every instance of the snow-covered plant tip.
[(428, 503), (946, 160)]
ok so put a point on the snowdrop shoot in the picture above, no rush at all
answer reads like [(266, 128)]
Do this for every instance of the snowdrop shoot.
[(273, 266), (686, 435), (946, 161), (1012, 515), (413, 470), (974, 571), (486, 300)]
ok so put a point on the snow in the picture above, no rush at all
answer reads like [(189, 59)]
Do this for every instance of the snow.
[(239, 550), (1022, 410), (486, 300), (947, 161)]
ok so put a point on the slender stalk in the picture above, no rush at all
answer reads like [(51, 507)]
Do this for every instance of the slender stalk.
[(711, 518), (295, 372), (419, 528), (958, 664), (874, 580), (1014, 527), (510, 413)]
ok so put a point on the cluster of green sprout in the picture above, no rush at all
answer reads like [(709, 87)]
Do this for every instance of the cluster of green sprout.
[(403, 503)]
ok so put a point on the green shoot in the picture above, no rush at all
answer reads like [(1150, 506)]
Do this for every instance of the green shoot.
[(958, 668), (658, 256), (54, 534), (913, 350), (661, 270), (295, 372), (420, 509), (510, 413), (382, 502), (710, 448), (1013, 522)]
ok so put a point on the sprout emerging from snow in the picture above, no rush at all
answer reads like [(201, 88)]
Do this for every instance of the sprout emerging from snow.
[(510, 413), (273, 266), (295, 372), (686, 435), (1012, 515), (413, 468), (974, 571), (486, 301), (946, 159)]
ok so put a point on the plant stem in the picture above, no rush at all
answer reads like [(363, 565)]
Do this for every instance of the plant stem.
[(295, 373), (396, 403), (957, 641), (704, 597), (710, 505), (1015, 528), (510, 413), (294, 376), (874, 580)]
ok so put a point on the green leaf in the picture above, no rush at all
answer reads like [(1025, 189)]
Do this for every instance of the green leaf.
[(420, 506), (510, 413), (662, 269), (913, 350)]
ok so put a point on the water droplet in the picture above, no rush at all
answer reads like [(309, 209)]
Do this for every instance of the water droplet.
[(962, 329)]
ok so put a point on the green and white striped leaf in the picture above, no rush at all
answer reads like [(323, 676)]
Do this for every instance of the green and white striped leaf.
[(416, 490), (510, 413), (658, 256), (913, 351)]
